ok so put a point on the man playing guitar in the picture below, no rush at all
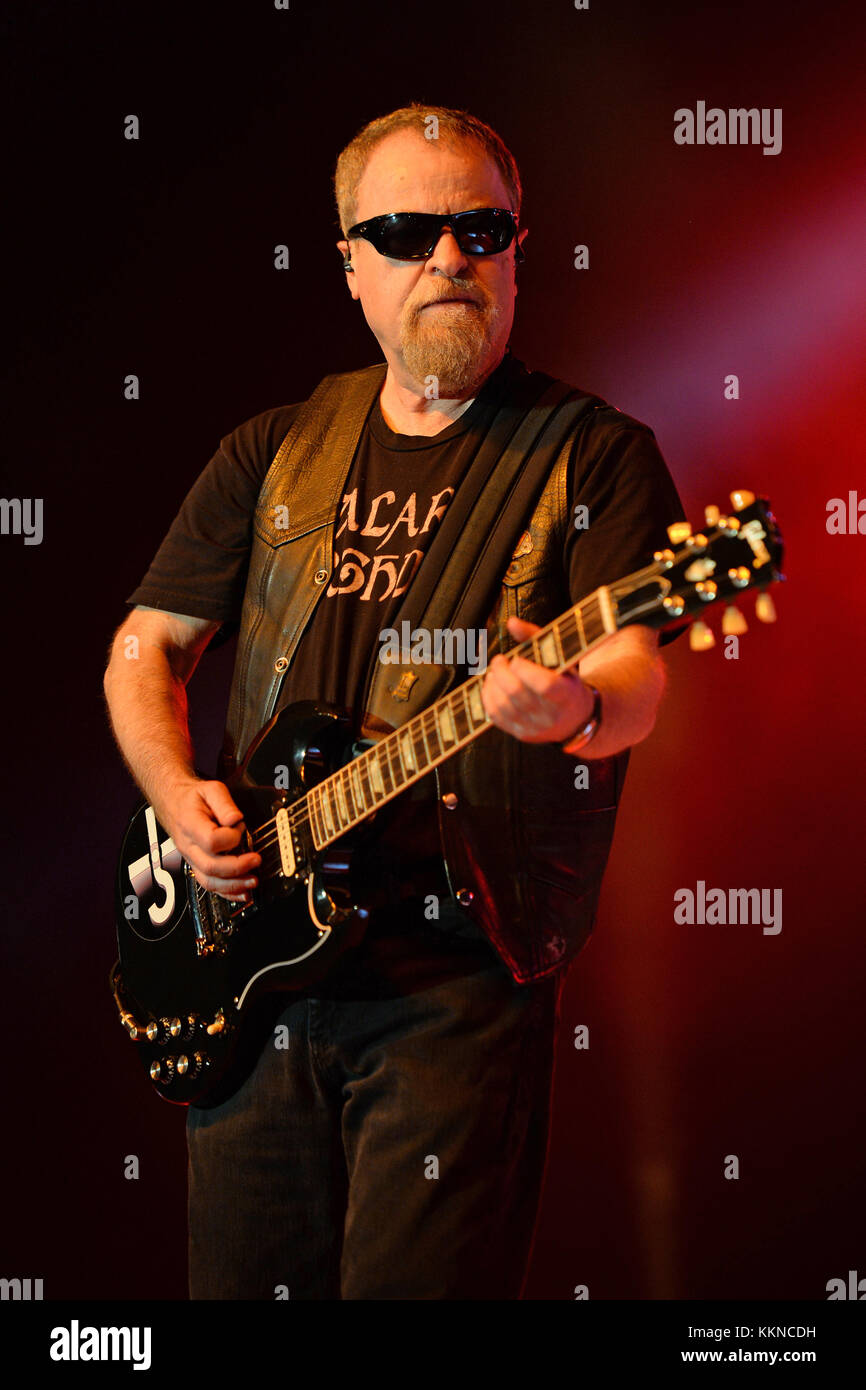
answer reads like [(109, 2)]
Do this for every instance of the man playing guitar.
[(390, 1140)]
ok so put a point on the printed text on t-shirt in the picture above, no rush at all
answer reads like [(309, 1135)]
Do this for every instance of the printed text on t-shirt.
[(384, 575)]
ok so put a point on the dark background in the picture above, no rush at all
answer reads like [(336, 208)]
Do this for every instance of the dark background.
[(155, 257)]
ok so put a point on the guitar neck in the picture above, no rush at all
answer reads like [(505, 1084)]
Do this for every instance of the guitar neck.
[(738, 552), (398, 760)]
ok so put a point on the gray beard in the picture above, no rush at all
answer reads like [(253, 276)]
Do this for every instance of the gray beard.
[(454, 353)]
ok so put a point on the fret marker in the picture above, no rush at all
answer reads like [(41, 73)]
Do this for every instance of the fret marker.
[(408, 752), (445, 724), (547, 650), (445, 720), (376, 776), (357, 789), (476, 707)]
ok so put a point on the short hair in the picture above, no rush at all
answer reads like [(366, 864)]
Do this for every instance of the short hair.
[(455, 125)]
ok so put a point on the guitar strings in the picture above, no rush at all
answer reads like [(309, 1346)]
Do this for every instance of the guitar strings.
[(266, 837)]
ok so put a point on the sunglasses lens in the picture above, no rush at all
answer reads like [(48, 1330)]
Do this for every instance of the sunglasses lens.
[(405, 236), (484, 233)]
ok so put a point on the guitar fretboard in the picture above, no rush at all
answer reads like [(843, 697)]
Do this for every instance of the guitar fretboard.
[(346, 797)]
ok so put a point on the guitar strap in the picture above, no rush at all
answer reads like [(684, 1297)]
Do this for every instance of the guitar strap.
[(457, 581)]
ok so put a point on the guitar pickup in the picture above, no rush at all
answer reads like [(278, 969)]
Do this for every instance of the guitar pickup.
[(285, 842)]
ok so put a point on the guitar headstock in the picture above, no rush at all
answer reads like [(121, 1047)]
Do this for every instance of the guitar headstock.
[(734, 552)]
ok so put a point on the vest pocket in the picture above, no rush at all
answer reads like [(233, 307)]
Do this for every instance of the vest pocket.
[(276, 526)]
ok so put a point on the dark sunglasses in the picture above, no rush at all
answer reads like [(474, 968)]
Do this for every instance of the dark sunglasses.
[(412, 236)]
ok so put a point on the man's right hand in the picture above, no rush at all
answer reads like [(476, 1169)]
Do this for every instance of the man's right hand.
[(205, 824), (153, 655)]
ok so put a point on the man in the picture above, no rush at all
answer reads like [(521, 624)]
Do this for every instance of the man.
[(396, 1147)]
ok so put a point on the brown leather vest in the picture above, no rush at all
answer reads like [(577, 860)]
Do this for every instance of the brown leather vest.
[(524, 849)]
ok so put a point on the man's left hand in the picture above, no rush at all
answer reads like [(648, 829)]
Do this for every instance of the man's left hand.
[(532, 703)]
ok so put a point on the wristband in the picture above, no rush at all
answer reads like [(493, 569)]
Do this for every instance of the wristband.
[(587, 731)]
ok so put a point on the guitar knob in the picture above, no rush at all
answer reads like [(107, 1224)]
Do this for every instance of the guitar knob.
[(678, 532), (711, 516), (165, 1028), (135, 1030), (741, 499), (162, 1072), (674, 605), (190, 1067)]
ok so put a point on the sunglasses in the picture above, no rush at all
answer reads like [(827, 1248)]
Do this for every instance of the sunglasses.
[(412, 236)]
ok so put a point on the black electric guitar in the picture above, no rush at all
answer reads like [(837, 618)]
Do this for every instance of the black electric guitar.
[(195, 969)]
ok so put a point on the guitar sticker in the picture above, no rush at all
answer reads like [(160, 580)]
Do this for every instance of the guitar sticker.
[(153, 870)]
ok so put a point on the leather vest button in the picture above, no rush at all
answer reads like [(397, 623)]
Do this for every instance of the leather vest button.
[(281, 664), (464, 896), (450, 800), (320, 576)]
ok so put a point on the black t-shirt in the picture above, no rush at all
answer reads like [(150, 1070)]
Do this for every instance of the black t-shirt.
[(397, 491)]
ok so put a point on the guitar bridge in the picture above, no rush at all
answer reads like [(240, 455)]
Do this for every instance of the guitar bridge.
[(207, 919)]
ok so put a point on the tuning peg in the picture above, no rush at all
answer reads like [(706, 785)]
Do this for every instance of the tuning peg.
[(678, 532), (711, 515), (765, 609), (733, 621), (741, 498), (740, 576), (701, 568), (701, 637)]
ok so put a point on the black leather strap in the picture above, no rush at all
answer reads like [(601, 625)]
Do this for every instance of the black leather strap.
[(457, 581)]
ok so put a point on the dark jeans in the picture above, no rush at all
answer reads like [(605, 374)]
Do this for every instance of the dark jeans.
[(394, 1150)]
